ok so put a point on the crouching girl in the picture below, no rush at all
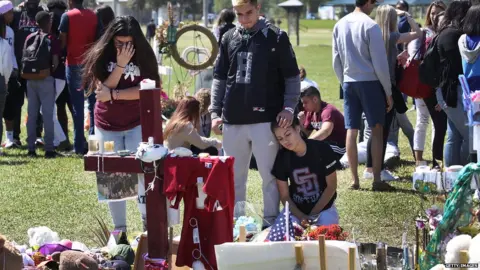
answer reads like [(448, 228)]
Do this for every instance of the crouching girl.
[(306, 176)]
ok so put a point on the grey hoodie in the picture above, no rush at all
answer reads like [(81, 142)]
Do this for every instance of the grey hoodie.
[(470, 56), (470, 62)]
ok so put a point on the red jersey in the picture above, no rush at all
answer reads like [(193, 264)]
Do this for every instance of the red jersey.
[(215, 222), (82, 31)]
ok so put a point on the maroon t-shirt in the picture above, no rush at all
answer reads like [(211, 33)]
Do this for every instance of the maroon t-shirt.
[(120, 115), (328, 113)]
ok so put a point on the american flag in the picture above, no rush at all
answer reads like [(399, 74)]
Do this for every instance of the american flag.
[(278, 230)]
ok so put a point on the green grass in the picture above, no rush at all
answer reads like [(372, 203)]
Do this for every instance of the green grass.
[(59, 194), (317, 24)]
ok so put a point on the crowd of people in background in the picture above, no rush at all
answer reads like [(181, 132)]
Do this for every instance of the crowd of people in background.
[(260, 100)]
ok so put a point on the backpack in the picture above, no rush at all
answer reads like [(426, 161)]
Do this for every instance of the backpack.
[(430, 69), (36, 59), (408, 77)]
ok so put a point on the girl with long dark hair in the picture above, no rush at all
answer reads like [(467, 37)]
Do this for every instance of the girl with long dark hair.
[(449, 94), (105, 15), (305, 170), (114, 67), (224, 23), (181, 129)]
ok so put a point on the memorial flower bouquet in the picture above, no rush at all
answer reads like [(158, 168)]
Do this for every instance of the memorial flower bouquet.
[(313, 232)]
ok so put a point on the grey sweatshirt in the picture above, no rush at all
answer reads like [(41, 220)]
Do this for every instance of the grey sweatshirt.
[(359, 51)]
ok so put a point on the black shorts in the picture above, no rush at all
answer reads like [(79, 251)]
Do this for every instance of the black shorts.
[(15, 99)]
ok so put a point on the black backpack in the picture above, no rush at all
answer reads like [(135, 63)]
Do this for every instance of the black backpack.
[(36, 59), (430, 71)]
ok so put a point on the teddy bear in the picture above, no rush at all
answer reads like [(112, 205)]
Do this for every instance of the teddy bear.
[(10, 257), (39, 236), (458, 243), (70, 260)]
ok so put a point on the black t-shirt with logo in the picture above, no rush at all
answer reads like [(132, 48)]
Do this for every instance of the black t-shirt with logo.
[(307, 174)]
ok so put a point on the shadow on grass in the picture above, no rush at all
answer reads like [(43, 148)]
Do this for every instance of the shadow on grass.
[(398, 190), (396, 162), (13, 162)]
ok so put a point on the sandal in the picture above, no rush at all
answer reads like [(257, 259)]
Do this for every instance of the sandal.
[(382, 186), (354, 187)]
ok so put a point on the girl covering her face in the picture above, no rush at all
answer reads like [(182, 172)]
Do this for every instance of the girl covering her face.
[(306, 176), (114, 69)]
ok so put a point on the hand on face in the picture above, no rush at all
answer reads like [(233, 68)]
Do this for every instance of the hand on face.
[(125, 53)]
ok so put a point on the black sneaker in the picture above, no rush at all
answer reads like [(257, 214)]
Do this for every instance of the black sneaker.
[(65, 146), (17, 142), (51, 154), (32, 154)]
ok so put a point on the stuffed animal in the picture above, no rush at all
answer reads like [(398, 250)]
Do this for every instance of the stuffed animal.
[(74, 260), (474, 250), (39, 236), (10, 257), (454, 246), (458, 243)]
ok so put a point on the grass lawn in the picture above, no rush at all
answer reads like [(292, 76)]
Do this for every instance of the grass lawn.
[(59, 194)]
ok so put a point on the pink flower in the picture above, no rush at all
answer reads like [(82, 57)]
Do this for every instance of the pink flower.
[(433, 211), (434, 221), (164, 95), (420, 224)]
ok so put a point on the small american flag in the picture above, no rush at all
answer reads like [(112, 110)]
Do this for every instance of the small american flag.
[(279, 229)]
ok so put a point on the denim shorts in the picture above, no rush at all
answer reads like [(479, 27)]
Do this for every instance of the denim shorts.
[(363, 97)]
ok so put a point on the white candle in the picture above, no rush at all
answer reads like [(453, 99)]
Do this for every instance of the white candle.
[(147, 84)]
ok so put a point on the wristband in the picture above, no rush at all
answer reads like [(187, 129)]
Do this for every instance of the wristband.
[(120, 66), (288, 109)]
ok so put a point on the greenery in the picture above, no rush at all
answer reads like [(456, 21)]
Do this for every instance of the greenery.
[(58, 193)]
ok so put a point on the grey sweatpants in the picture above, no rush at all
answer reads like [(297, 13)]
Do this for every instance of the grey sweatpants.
[(3, 97), (40, 93), (239, 141)]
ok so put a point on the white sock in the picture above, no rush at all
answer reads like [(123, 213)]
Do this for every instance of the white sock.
[(9, 135)]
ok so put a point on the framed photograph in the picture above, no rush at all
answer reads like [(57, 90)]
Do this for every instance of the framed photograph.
[(117, 186)]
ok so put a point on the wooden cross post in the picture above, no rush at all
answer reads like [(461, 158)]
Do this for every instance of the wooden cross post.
[(156, 204)]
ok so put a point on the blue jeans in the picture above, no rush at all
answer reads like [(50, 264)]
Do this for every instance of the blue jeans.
[(77, 97), (124, 140), (92, 99), (457, 147)]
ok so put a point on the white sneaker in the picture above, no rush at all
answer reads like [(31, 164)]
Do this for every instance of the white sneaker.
[(422, 163), (9, 144), (39, 142), (367, 175), (386, 175)]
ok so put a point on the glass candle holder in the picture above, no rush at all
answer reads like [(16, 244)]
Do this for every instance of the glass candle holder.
[(93, 146), (109, 146)]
